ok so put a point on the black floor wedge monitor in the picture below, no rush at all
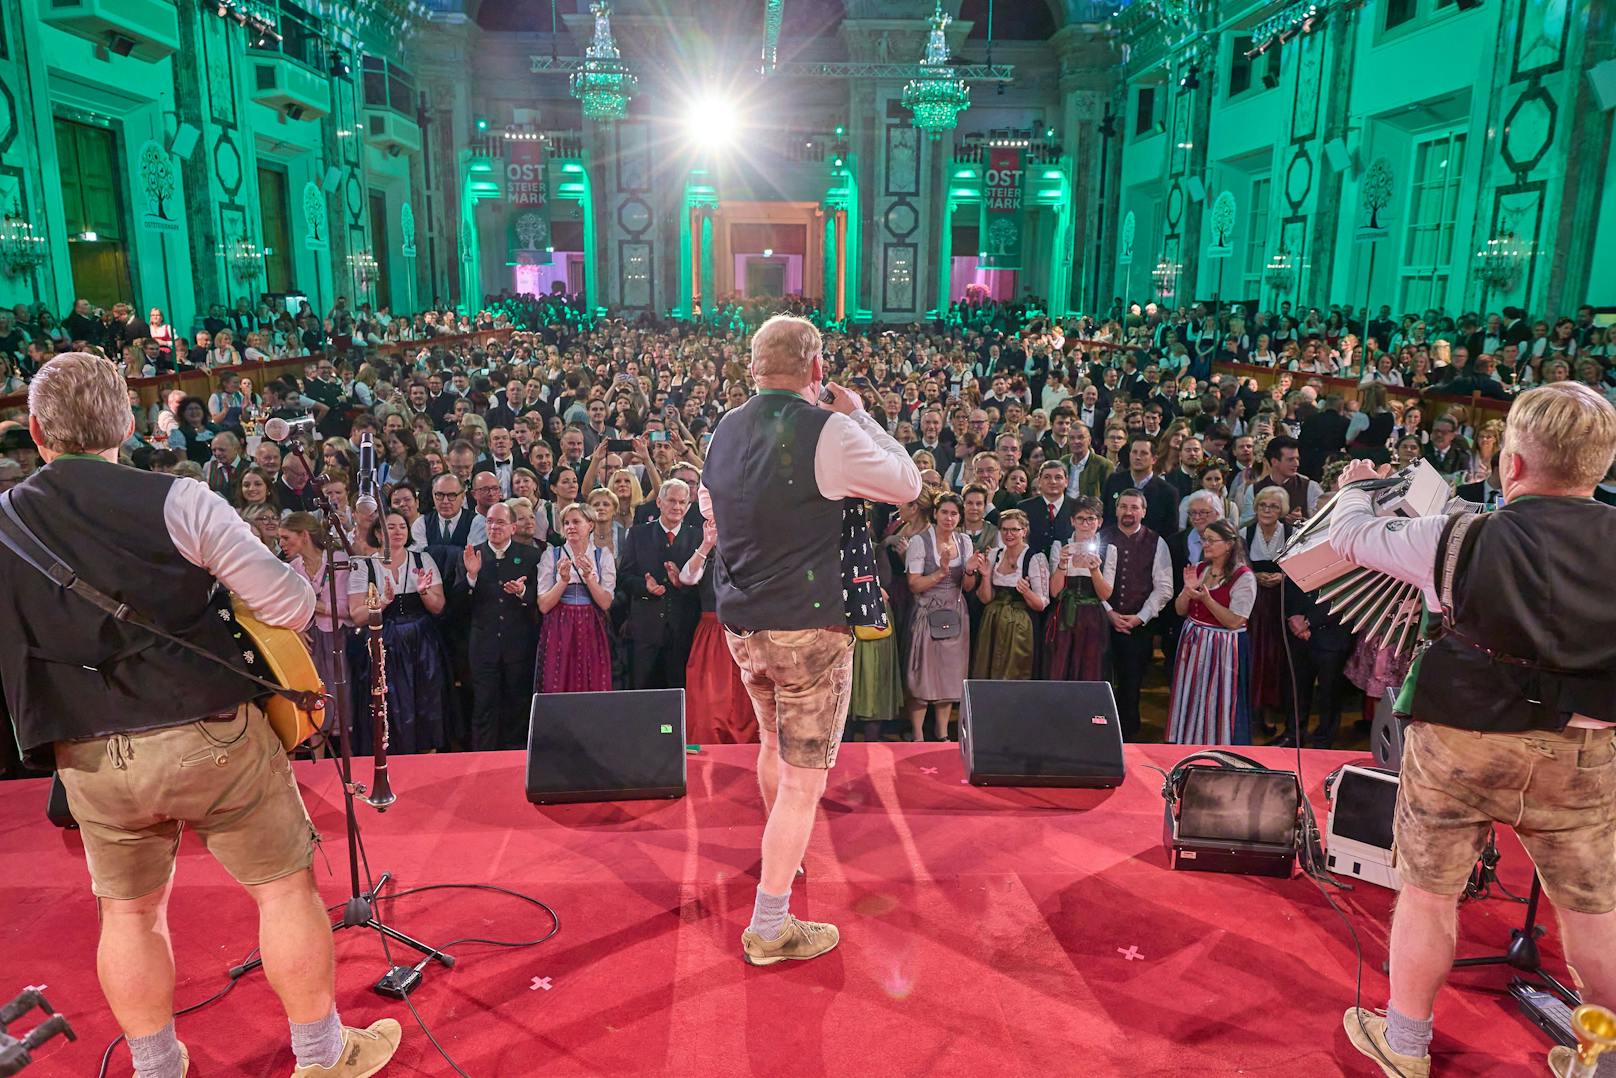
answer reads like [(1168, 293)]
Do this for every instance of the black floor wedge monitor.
[(606, 746), (1041, 733)]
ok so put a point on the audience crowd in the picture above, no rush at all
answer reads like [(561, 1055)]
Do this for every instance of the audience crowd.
[(1104, 496)]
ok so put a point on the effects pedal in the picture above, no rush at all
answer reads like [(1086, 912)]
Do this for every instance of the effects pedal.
[(1549, 1011)]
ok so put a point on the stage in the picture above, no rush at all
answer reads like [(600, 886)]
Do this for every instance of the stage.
[(998, 932)]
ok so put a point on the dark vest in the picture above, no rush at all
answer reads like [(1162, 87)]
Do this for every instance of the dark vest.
[(1526, 589), (445, 545), (779, 562), (1136, 562), (70, 671), (1295, 488)]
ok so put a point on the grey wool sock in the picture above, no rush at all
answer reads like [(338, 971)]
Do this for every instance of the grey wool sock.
[(769, 914), (157, 1055), (1408, 1036), (317, 1044)]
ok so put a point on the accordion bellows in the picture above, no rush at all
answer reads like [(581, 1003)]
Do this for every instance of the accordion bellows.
[(1367, 601)]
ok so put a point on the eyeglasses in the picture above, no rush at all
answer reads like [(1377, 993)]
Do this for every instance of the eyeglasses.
[(447, 496)]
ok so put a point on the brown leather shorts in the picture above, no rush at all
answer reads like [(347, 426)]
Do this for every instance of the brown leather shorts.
[(799, 681), (229, 779), (1558, 791)]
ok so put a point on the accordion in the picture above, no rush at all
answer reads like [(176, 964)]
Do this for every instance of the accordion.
[(1364, 600)]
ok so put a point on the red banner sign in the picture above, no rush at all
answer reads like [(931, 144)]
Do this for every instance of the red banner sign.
[(525, 182)]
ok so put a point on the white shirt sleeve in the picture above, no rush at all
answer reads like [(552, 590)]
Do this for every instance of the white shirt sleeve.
[(418, 531), (857, 458), (433, 577), (608, 571), (1400, 547), (914, 555), (1243, 595), (547, 568), (208, 534), (1161, 583)]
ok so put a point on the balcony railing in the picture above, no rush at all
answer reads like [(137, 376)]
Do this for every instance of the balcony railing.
[(556, 143)]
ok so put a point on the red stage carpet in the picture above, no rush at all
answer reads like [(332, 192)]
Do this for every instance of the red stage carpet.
[(984, 932)]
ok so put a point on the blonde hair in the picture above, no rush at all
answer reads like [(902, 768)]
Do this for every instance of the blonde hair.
[(575, 507), (785, 346), (635, 495), (81, 403), (1274, 493), (1565, 429)]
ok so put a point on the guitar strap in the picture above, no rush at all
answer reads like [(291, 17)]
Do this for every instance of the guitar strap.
[(21, 541)]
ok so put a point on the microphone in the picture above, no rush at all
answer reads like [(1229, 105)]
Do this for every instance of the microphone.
[(277, 429), (367, 501)]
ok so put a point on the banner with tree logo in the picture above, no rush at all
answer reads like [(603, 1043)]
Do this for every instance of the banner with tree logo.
[(159, 187), (1001, 209), (527, 191)]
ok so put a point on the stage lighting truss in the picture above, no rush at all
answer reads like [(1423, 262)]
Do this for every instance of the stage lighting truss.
[(260, 19), (603, 84), (1299, 18), (938, 96)]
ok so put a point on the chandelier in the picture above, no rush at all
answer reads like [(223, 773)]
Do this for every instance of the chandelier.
[(22, 250), (602, 84), (1499, 261), (364, 268), (935, 97), (1280, 272), (1165, 276), (246, 259)]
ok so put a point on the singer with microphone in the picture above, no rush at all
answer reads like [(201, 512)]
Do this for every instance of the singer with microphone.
[(124, 722)]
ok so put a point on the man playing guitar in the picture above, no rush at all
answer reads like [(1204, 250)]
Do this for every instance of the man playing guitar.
[(149, 737)]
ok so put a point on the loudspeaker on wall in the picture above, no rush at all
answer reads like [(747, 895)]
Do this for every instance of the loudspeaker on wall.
[(1336, 155), (1602, 80), (183, 144), (1195, 189), (333, 176)]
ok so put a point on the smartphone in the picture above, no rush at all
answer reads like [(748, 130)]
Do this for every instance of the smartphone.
[(659, 436), (619, 445)]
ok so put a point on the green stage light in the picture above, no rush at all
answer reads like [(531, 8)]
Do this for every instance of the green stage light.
[(482, 124)]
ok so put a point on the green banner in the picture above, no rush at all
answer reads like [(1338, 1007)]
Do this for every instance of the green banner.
[(527, 236), (527, 190), (999, 246)]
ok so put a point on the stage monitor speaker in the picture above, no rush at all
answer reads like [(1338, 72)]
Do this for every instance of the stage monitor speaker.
[(1358, 837), (1195, 189), (56, 810), (333, 176), (1602, 80), (1234, 819), (1386, 732), (183, 144), (1041, 733), (606, 746)]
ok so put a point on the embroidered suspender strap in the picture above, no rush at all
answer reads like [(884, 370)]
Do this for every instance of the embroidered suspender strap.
[(21, 541), (1458, 526)]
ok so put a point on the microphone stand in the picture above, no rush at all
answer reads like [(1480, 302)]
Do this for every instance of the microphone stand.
[(360, 909)]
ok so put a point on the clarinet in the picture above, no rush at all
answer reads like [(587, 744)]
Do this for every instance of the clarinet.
[(381, 794)]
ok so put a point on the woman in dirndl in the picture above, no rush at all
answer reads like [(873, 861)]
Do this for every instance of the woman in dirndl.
[(877, 695), (938, 561), (575, 591), (1013, 585), (409, 592), (1210, 703), (718, 710), (303, 545), (1077, 633), (1264, 539)]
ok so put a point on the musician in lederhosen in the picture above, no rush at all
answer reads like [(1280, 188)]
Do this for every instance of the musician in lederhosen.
[(126, 718), (1513, 700)]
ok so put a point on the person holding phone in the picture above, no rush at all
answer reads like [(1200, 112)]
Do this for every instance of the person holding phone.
[(1077, 634)]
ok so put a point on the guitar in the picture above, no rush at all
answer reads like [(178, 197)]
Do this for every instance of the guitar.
[(281, 656)]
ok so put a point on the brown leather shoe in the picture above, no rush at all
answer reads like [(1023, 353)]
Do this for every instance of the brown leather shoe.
[(797, 940), (1367, 1032), (364, 1052)]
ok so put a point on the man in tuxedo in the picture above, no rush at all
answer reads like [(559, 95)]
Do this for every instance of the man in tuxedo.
[(1161, 514), (1086, 470), (500, 461), (1092, 411), (1049, 514), (662, 614), (500, 588)]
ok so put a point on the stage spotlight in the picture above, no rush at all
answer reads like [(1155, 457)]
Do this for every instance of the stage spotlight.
[(711, 121)]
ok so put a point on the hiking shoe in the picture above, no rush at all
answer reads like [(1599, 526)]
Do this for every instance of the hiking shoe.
[(364, 1052), (1367, 1032), (798, 939)]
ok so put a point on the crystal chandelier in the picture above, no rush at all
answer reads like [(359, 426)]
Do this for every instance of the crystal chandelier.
[(1499, 261), (935, 97), (1165, 276), (1281, 271), (246, 259), (603, 85), (22, 250), (364, 268)]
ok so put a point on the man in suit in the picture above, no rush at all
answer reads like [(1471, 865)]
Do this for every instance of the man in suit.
[(1049, 513), (500, 462), (1487, 491), (1161, 500), (1323, 433), (1086, 470), (934, 439), (500, 588), (662, 614), (1093, 411)]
